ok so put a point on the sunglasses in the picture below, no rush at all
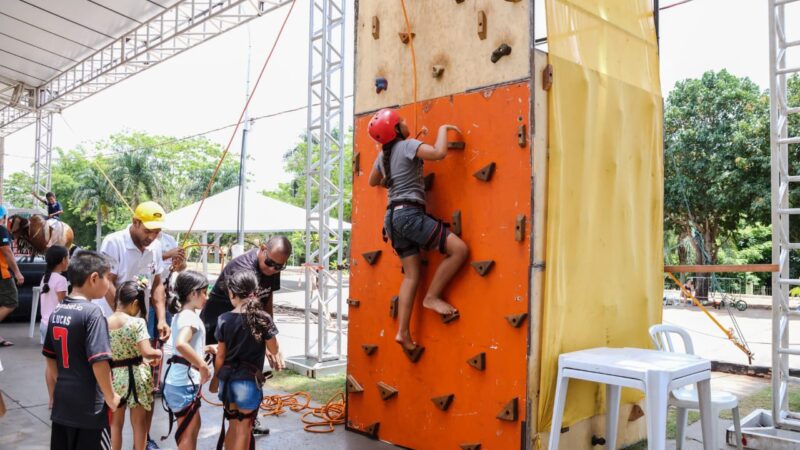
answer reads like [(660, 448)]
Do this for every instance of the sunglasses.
[(270, 263)]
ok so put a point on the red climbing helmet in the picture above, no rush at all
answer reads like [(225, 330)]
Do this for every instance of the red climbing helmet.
[(383, 125)]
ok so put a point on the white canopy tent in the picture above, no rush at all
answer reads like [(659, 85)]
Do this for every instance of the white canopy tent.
[(263, 215)]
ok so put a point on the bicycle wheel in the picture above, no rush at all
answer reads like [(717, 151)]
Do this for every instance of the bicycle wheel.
[(741, 305)]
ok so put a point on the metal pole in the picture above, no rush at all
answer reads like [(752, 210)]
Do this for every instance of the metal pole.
[(2, 165), (243, 158)]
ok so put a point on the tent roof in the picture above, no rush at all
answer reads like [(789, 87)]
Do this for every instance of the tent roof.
[(262, 215)]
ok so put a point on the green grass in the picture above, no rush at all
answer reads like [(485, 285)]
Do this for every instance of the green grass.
[(760, 400), (321, 389)]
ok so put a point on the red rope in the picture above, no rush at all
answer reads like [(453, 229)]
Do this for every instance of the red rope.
[(238, 122)]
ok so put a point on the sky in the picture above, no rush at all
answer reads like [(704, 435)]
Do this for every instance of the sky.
[(204, 88)]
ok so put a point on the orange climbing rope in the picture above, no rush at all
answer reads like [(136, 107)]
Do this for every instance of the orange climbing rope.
[(239, 122), (413, 61)]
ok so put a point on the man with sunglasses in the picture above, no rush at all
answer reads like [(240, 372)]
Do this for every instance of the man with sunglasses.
[(266, 262)]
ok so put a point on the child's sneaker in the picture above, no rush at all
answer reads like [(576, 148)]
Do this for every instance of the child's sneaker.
[(151, 444)]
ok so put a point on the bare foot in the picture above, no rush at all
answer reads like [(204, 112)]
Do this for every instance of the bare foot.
[(438, 305), (404, 339)]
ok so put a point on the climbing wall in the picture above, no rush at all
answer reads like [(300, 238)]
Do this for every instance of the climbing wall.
[(469, 385), (454, 38)]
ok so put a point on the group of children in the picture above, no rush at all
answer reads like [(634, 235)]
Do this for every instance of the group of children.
[(98, 367)]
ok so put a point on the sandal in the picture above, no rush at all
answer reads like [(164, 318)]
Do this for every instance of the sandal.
[(5, 343)]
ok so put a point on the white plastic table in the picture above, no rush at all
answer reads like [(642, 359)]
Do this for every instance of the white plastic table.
[(654, 372), (37, 290)]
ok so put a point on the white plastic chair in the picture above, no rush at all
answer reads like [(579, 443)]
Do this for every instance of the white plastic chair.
[(685, 398)]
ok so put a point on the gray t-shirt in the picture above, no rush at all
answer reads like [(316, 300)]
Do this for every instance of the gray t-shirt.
[(407, 182)]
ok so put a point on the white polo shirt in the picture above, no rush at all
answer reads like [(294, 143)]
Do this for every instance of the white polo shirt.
[(128, 262)]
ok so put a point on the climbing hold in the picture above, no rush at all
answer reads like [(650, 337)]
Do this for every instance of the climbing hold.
[(513, 1), (414, 354), (381, 84), (478, 361), (371, 430), (353, 386), (353, 302), (371, 257), (522, 136), (357, 163), (481, 25), (447, 318), (485, 174), (459, 1), (482, 267), (547, 77), (509, 412), (519, 228), (376, 27), (393, 307), (636, 413), (437, 71), (598, 440), (456, 145), (369, 348), (404, 37), (444, 401), (499, 52), (428, 181), (456, 228), (516, 319), (471, 446), (386, 391)]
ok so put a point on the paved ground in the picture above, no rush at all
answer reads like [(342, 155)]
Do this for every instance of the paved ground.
[(27, 426)]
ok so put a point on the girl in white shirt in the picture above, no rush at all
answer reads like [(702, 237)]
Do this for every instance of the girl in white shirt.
[(54, 289)]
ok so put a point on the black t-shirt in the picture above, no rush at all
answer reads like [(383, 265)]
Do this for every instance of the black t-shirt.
[(218, 301), (242, 349), (77, 337)]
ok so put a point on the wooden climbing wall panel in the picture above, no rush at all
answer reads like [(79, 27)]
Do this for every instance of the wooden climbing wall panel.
[(490, 212), (446, 35)]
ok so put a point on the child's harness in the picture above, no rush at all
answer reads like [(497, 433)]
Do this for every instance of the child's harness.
[(188, 412), (439, 232), (225, 374), (130, 363)]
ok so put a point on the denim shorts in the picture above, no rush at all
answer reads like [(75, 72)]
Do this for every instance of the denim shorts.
[(411, 230), (245, 393), (179, 397)]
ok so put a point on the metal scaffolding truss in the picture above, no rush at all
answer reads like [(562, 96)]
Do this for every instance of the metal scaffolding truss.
[(325, 185), (176, 29), (43, 155), (780, 142)]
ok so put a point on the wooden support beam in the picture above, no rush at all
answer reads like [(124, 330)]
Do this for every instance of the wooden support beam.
[(722, 268)]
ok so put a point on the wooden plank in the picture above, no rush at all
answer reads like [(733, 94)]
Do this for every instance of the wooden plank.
[(722, 268)]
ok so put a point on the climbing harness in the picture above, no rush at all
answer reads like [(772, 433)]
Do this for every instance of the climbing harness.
[(437, 239), (189, 411), (225, 374), (130, 363)]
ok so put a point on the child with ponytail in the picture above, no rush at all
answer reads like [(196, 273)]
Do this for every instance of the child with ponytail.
[(244, 336), (53, 291), (131, 352)]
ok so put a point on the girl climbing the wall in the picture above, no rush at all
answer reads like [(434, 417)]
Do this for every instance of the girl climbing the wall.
[(398, 168)]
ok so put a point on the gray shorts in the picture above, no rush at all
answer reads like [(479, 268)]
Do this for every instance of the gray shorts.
[(8, 293), (411, 230)]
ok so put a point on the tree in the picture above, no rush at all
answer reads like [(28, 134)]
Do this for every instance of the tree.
[(94, 197), (294, 162), (716, 160), (294, 191)]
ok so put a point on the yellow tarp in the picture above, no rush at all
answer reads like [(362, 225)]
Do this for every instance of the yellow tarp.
[(604, 273)]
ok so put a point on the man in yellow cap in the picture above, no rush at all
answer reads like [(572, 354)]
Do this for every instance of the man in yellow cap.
[(135, 254)]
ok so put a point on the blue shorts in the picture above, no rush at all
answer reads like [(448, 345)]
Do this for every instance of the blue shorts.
[(245, 393), (179, 397)]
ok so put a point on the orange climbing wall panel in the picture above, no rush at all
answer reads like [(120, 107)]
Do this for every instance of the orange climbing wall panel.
[(490, 120)]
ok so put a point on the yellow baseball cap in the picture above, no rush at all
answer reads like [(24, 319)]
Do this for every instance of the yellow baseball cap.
[(151, 214)]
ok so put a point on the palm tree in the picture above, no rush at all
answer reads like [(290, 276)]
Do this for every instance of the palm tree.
[(136, 172), (95, 195)]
